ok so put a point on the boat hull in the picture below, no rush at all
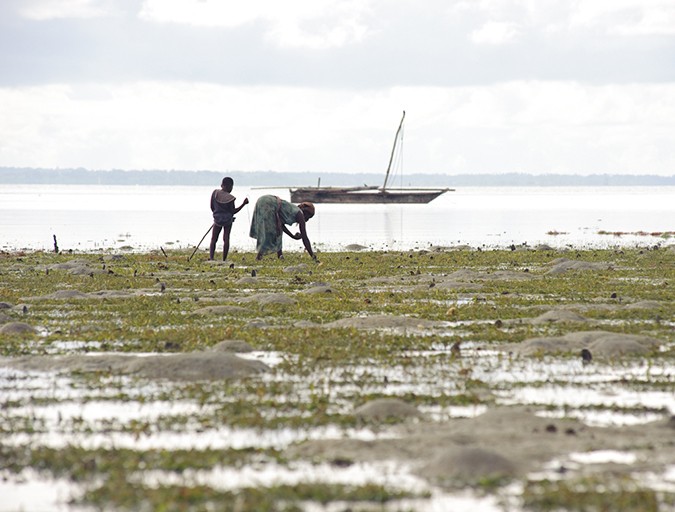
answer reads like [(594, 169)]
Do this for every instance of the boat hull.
[(365, 196)]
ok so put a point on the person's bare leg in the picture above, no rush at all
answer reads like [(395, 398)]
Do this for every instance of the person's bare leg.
[(214, 240), (226, 241)]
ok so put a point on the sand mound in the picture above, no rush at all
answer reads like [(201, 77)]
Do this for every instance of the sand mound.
[(114, 294), (302, 268), (77, 267), (449, 284), (386, 409), (17, 329), (265, 299), (186, 367), (232, 346), (64, 294), (562, 265), (383, 322), (600, 343), (467, 464), (644, 304), (195, 366), (318, 289), (333, 449), (221, 310), (610, 346), (499, 275), (69, 265), (558, 316)]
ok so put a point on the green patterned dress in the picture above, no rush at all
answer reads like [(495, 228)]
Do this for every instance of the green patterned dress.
[(269, 213)]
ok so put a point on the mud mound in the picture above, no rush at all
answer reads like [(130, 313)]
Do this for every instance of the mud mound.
[(644, 304), (318, 289), (600, 343), (334, 449), (62, 295), (563, 265), (499, 275), (17, 329), (558, 316), (455, 454), (611, 346), (265, 299), (383, 322), (232, 346), (449, 284), (75, 363), (386, 409), (302, 268), (355, 247), (221, 310), (77, 295), (77, 267), (194, 366), (460, 465), (115, 294), (69, 265)]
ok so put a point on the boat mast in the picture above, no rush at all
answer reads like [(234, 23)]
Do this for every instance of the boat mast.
[(393, 149)]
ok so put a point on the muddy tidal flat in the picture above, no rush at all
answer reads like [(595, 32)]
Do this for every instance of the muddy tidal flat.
[(452, 378)]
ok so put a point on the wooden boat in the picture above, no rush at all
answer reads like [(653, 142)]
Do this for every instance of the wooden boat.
[(368, 194), (364, 195)]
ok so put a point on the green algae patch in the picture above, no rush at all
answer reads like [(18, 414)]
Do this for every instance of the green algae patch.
[(595, 494), (288, 498), (467, 348)]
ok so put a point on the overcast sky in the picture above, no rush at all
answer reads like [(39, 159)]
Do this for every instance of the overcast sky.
[(541, 86)]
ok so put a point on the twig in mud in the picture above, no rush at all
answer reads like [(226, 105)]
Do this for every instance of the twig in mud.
[(56, 245)]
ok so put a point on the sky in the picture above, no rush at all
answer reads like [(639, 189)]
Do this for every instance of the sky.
[(488, 86)]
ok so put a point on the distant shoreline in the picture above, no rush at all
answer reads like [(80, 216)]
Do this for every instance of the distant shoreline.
[(81, 176)]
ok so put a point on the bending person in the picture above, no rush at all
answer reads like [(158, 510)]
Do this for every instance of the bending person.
[(222, 206), (270, 218)]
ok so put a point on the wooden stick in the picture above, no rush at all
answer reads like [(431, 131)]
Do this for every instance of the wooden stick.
[(200, 242)]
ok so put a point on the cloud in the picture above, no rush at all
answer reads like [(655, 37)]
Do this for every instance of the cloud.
[(42, 10), (489, 85), (338, 44), (523, 126), (317, 24), (495, 33)]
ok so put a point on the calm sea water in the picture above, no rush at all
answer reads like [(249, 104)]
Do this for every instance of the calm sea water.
[(85, 217)]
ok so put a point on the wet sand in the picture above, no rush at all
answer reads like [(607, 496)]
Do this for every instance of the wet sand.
[(462, 371)]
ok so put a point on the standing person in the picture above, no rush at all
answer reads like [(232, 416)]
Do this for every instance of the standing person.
[(222, 206), (270, 217)]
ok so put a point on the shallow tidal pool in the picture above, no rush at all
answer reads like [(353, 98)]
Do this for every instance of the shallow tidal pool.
[(424, 380)]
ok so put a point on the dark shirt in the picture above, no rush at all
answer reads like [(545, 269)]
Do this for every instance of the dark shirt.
[(222, 206)]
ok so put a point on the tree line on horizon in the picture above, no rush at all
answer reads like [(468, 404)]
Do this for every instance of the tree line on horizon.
[(82, 176)]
